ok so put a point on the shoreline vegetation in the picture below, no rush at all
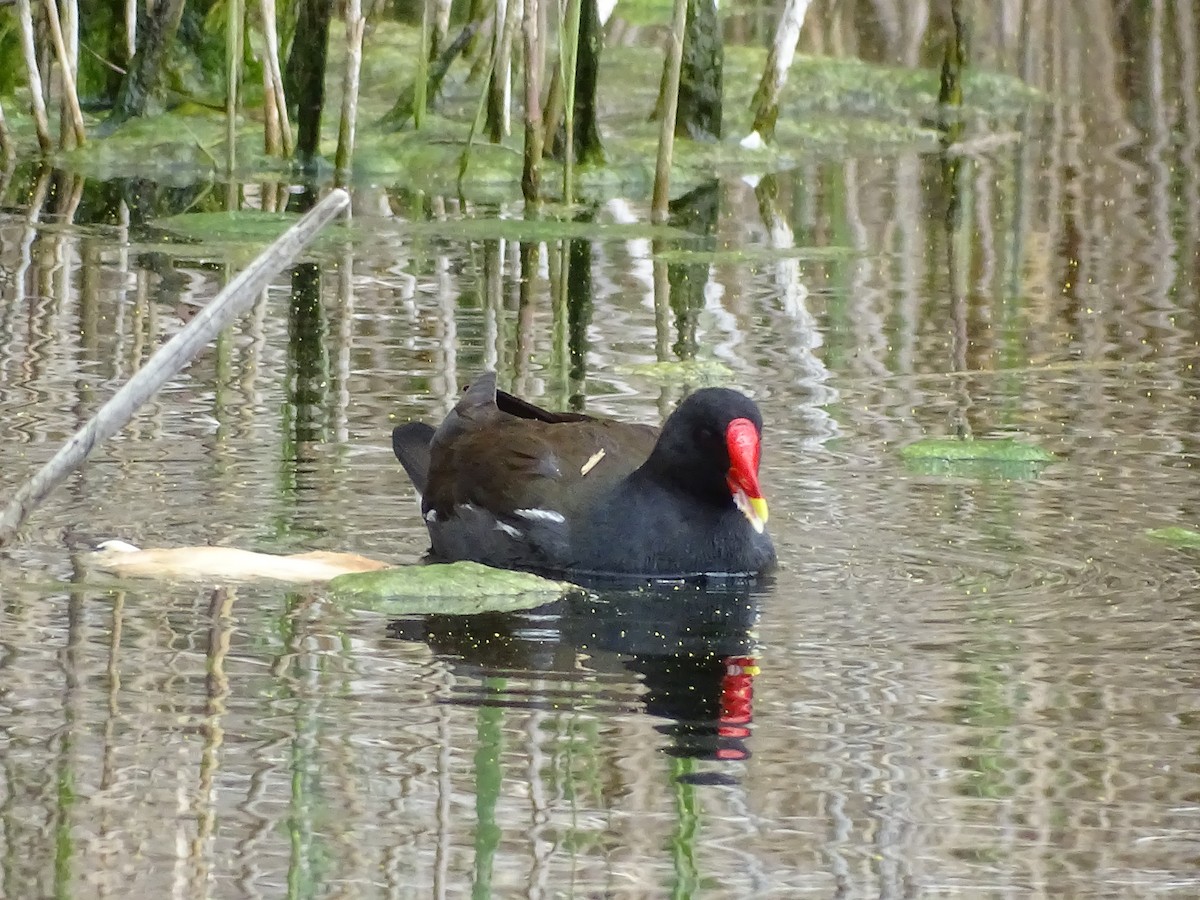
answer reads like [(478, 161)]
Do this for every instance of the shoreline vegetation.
[(220, 92)]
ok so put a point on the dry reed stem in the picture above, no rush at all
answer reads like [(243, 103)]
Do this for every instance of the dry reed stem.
[(666, 134), (70, 98), (356, 24), (36, 90), (271, 36)]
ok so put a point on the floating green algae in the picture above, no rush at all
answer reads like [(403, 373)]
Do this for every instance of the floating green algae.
[(461, 588), (243, 225), (1176, 536), (1006, 459)]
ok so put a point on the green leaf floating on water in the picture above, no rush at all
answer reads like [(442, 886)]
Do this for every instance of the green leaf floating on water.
[(461, 588), (1176, 535), (1005, 459)]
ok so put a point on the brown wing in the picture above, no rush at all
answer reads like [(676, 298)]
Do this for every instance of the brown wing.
[(527, 464), (519, 456)]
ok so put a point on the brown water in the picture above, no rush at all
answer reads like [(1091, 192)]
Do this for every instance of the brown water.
[(956, 684)]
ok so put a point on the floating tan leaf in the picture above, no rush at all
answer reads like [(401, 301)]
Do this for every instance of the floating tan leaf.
[(226, 563)]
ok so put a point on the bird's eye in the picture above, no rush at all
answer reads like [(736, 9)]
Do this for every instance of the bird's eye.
[(705, 435)]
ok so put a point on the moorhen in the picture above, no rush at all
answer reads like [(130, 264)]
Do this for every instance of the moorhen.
[(506, 483)]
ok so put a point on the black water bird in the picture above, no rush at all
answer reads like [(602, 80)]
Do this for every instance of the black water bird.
[(507, 483)]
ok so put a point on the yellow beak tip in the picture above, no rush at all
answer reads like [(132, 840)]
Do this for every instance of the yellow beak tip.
[(759, 506), (753, 508)]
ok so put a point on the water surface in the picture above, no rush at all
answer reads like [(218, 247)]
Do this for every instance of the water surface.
[(957, 683)]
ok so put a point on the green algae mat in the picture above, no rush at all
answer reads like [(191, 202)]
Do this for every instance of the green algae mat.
[(1005, 458), (461, 588)]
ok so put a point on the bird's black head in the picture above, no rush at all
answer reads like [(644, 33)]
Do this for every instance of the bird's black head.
[(710, 447)]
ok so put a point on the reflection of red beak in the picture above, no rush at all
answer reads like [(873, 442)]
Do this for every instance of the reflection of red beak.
[(741, 438), (737, 698)]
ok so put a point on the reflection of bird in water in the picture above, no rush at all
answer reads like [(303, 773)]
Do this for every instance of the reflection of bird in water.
[(690, 649), (707, 702)]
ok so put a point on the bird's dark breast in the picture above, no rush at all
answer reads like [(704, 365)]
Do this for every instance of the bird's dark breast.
[(645, 531)]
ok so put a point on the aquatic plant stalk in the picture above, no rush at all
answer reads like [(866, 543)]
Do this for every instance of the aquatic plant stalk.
[(272, 138), (236, 16), (500, 80), (440, 29), (169, 360), (464, 159), (69, 27), (666, 133), (306, 69), (146, 67), (701, 79), (571, 40), (356, 24), (7, 150), (273, 77), (954, 60), (131, 16), (421, 82), (36, 92), (586, 129), (950, 122), (531, 169), (765, 104), (560, 262)]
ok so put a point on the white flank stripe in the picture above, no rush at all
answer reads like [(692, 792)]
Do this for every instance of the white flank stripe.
[(508, 529), (540, 515)]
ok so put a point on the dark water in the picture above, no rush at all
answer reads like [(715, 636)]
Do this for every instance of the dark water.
[(957, 684)]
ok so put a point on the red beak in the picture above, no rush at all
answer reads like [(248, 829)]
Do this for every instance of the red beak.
[(741, 438)]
